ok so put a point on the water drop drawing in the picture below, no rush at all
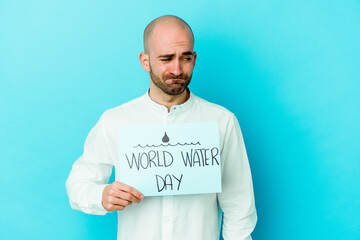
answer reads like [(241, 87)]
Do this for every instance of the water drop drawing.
[(165, 138)]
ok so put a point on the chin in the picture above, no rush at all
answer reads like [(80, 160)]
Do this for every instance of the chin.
[(176, 91)]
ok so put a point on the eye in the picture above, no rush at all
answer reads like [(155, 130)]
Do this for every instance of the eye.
[(165, 59)]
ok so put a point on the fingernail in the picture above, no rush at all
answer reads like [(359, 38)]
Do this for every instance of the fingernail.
[(141, 196)]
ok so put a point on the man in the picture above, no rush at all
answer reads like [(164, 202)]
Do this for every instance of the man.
[(169, 58)]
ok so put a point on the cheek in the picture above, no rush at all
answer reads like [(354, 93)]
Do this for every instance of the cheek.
[(188, 68), (158, 67), (163, 70)]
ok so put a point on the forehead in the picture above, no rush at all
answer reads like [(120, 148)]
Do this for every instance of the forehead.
[(170, 38)]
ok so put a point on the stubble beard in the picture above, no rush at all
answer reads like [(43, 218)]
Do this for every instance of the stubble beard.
[(170, 89)]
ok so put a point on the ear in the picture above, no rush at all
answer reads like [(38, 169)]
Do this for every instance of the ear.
[(194, 56), (145, 61)]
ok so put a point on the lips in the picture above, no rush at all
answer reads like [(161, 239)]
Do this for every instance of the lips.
[(175, 80)]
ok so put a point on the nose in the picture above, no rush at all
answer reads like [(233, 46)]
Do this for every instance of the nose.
[(176, 68)]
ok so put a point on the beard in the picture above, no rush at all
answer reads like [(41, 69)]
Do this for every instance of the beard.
[(171, 88)]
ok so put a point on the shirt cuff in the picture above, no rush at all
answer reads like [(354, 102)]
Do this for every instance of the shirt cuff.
[(95, 199)]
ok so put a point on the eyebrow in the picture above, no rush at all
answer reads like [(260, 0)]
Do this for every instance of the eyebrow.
[(188, 53), (172, 55)]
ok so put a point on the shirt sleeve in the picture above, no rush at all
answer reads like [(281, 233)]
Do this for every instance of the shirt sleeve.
[(237, 197), (91, 172)]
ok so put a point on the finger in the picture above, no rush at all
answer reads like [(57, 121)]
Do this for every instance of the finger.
[(113, 208), (129, 197), (119, 201), (114, 192), (118, 208), (114, 203), (127, 189)]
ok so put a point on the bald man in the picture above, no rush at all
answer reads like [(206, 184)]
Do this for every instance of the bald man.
[(169, 58)]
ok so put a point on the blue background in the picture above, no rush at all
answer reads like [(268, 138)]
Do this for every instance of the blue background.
[(289, 70)]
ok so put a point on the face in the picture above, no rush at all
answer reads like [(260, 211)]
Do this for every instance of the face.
[(171, 59), (170, 83)]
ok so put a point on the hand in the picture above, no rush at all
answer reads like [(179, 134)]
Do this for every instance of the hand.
[(117, 196)]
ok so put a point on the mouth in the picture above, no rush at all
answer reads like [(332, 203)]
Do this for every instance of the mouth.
[(175, 81)]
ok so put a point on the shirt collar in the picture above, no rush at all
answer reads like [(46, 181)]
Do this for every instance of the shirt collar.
[(160, 107)]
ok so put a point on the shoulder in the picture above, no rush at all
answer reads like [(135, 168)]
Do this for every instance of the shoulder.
[(124, 110), (228, 123), (213, 108)]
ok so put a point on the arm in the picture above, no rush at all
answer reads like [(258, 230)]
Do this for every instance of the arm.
[(91, 172), (87, 185), (237, 197)]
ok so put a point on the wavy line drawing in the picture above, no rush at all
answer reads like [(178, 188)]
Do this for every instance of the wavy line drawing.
[(167, 145)]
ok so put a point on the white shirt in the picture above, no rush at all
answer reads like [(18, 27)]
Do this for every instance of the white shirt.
[(168, 217)]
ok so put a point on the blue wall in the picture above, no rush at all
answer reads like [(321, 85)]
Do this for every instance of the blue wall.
[(289, 70)]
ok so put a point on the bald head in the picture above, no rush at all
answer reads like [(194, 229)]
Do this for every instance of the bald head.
[(167, 20)]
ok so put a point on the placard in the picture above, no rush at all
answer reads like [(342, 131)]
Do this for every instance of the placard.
[(170, 159)]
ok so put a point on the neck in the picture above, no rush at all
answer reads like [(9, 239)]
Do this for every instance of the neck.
[(158, 96)]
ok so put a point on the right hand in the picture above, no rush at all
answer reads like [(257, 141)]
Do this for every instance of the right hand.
[(117, 196)]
